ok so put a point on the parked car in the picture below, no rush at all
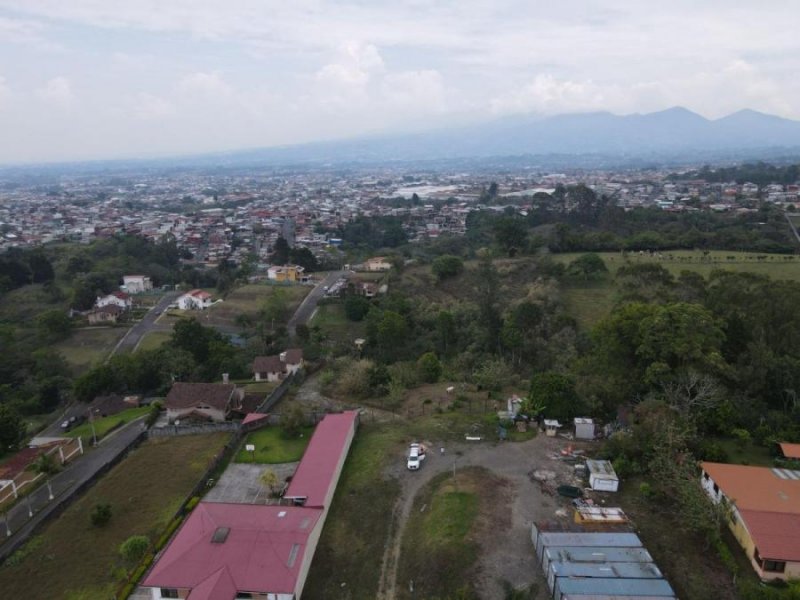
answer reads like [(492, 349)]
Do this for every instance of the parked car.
[(416, 454)]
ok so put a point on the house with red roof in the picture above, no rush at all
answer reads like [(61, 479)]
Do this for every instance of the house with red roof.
[(229, 551), (120, 299), (764, 506), (194, 300)]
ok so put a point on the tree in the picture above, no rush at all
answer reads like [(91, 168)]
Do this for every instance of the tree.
[(446, 266), (430, 369), (445, 331), (54, 325), (101, 514), (270, 480), (134, 548), (587, 266), (487, 284), (391, 332), (557, 393), (46, 465), (41, 268), (356, 307), (292, 421), (12, 428), (280, 251), (304, 258), (511, 234)]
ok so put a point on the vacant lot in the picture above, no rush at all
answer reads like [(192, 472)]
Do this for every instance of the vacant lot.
[(89, 346), (272, 447), (71, 559), (248, 299), (334, 324), (154, 340)]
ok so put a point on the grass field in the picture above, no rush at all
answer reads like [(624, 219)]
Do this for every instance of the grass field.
[(104, 425), (247, 300), (588, 302), (86, 347), (272, 447), (71, 559), (153, 340), (746, 453), (437, 550), (332, 321)]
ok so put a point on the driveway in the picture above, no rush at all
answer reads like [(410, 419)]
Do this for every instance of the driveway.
[(309, 303), (147, 324), (241, 483), (63, 485), (506, 555)]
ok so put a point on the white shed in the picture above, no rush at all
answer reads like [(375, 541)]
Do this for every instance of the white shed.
[(602, 476), (584, 428)]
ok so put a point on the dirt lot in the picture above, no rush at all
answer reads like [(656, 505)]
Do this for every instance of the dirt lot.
[(506, 555)]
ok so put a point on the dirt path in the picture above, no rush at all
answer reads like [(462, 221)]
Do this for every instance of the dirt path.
[(507, 554)]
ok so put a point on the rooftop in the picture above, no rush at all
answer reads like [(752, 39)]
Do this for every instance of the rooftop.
[(757, 488), (186, 395), (262, 550), (790, 450)]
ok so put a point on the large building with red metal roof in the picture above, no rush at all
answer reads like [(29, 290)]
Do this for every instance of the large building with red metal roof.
[(764, 506), (229, 551)]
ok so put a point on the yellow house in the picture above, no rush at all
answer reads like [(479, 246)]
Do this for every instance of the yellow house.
[(765, 514), (286, 273)]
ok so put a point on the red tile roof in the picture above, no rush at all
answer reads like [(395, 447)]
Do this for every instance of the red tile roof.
[(756, 488), (790, 450), (187, 395), (263, 551), (317, 470), (776, 535), (268, 364)]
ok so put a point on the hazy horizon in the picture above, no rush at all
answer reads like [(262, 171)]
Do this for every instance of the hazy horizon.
[(90, 79)]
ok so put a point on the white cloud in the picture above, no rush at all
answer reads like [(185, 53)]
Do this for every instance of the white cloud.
[(57, 92), (150, 107), (208, 84), (415, 91), (5, 92)]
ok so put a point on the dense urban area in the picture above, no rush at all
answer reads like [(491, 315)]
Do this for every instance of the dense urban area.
[(398, 382)]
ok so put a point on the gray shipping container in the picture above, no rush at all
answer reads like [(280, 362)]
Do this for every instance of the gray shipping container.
[(618, 540), (621, 570), (577, 586), (616, 597), (582, 554)]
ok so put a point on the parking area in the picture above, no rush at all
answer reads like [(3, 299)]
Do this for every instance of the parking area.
[(241, 483)]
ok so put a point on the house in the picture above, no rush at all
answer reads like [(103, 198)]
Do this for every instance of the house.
[(276, 367), (764, 508), (194, 300), (790, 451), (378, 263), (286, 273), (120, 299), (229, 551), (105, 314), (212, 401), (136, 284)]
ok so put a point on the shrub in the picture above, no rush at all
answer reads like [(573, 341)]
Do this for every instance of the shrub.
[(101, 514), (446, 266), (430, 369), (193, 501), (646, 490), (356, 307), (134, 548), (742, 437), (152, 416), (292, 421)]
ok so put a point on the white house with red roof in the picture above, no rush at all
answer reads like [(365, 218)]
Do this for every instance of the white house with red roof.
[(121, 299), (226, 551), (194, 300)]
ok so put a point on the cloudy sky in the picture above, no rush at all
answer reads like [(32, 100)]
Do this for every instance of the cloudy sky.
[(84, 79)]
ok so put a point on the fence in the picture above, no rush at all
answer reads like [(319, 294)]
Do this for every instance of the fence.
[(171, 430), (276, 394)]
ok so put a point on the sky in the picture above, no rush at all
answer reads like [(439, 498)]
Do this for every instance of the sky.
[(106, 79)]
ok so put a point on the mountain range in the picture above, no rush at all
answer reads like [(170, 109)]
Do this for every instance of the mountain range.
[(673, 132)]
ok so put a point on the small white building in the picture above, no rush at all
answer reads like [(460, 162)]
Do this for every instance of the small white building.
[(378, 263), (584, 428), (602, 476), (120, 299), (551, 427), (136, 284), (194, 300)]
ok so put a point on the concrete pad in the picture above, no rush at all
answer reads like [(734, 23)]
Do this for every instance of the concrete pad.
[(241, 483)]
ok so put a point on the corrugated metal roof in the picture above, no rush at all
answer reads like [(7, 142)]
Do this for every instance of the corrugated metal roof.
[(613, 540), (614, 597), (619, 570), (582, 554), (619, 587)]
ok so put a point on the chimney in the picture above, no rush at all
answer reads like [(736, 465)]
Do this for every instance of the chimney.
[(224, 378), (283, 357)]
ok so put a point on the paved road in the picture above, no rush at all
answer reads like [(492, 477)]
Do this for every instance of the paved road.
[(54, 429), (63, 485), (147, 324), (309, 303)]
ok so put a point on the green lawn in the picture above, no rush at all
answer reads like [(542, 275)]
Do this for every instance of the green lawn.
[(332, 321), (153, 340), (104, 425), (272, 447), (262, 387), (71, 559), (89, 346)]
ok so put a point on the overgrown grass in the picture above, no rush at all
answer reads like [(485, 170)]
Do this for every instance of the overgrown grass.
[(104, 425), (89, 346), (248, 299), (333, 322), (272, 447), (437, 552), (76, 560), (154, 340), (746, 453)]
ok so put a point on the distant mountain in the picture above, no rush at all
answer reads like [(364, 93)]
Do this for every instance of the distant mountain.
[(671, 132)]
